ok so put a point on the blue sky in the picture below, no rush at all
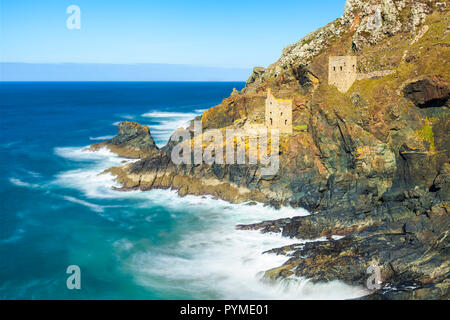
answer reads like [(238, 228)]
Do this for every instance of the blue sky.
[(231, 34)]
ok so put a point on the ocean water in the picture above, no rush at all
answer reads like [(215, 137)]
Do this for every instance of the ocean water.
[(56, 210)]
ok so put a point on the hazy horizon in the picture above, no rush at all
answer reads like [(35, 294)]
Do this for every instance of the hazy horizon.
[(19, 71)]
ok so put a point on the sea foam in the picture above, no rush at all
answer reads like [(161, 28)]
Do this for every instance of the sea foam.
[(209, 260), (167, 122), (101, 138), (21, 183), (92, 206)]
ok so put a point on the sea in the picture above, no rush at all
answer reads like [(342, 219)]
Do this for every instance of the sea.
[(57, 210)]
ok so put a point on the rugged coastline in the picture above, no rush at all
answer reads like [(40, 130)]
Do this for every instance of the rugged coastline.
[(371, 163)]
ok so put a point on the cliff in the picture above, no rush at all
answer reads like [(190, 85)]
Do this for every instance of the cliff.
[(372, 164)]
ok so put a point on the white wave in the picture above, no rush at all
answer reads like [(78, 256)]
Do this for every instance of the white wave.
[(224, 263), (168, 122), (209, 259), (103, 156), (34, 174), (89, 180), (169, 126), (101, 138), (82, 153), (16, 236), (10, 144), (123, 245), (92, 206), (21, 183), (127, 116), (161, 114), (161, 136)]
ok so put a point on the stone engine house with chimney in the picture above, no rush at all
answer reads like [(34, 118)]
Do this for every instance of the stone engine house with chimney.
[(342, 72), (278, 113)]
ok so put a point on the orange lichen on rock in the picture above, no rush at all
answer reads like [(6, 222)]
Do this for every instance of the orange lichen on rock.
[(356, 23)]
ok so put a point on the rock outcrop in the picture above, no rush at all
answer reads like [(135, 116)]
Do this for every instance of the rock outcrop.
[(371, 164), (427, 93), (132, 141)]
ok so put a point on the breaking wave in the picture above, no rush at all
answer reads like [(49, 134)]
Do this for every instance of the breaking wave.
[(209, 258), (101, 138), (165, 123)]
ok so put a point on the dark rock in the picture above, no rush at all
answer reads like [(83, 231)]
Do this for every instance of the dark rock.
[(257, 73), (132, 134), (428, 93), (132, 141)]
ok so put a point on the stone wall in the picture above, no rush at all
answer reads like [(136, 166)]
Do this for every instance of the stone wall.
[(374, 75)]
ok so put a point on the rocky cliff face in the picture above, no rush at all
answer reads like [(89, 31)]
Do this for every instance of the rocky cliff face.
[(371, 164), (132, 141)]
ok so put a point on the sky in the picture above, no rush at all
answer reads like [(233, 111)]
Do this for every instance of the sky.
[(220, 34)]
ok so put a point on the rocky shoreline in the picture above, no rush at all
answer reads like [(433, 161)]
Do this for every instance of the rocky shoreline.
[(371, 164)]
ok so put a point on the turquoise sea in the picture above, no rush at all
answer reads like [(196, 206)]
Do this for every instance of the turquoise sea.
[(56, 210)]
